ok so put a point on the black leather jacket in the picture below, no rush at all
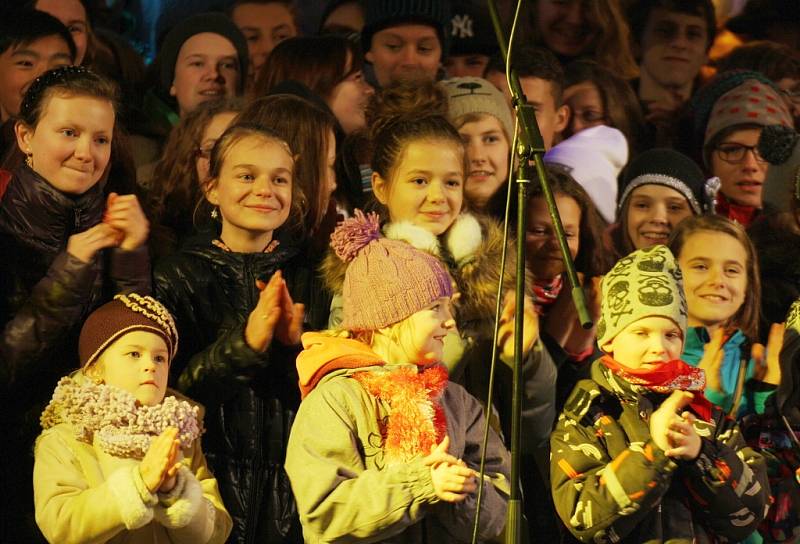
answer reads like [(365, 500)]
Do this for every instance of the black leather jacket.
[(250, 397)]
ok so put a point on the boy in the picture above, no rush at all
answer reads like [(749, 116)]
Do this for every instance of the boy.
[(542, 80), (638, 454), (31, 43)]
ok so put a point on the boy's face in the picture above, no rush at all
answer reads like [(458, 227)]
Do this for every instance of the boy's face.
[(552, 117), (264, 26), (207, 68), (646, 343), (405, 52), (742, 180), (137, 362), (466, 65), (22, 63), (73, 16), (673, 47)]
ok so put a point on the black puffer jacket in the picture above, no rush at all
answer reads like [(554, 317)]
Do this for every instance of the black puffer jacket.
[(250, 397), (45, 294)]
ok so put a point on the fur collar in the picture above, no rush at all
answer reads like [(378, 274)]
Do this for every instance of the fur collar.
[(461, 241)]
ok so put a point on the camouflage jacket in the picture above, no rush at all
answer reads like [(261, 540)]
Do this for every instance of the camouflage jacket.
[(611, 483)]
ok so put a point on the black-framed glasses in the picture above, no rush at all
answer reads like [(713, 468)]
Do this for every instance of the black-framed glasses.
[(734, 153)]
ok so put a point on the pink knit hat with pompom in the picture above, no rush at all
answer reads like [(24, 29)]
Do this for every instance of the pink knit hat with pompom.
[(386, 280)]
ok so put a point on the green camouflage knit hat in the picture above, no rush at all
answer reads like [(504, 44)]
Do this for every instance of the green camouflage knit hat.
[(646, 283)]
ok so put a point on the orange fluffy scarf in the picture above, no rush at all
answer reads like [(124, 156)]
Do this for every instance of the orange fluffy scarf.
[(416, 421)]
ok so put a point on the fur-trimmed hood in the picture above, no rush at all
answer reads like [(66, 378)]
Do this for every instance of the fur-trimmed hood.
[(471, 249)]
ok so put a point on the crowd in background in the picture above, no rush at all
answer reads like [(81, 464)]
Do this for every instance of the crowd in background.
[(204, 152)]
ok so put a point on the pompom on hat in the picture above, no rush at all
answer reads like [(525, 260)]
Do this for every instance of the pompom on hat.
[(386, 280), (646, 283), (124, 314)]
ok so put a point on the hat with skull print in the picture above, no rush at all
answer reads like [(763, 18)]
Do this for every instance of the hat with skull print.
[(646, 283)]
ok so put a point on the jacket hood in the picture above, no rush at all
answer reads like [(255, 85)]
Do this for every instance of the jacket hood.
[(323, 354)]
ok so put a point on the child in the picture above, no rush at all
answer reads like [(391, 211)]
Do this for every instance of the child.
[(229, 295), (776, 435), (418, 180), (723, 292), (480, 114), (117, 461), (638, 454), (71, 245), (660, 188), (384, 448)]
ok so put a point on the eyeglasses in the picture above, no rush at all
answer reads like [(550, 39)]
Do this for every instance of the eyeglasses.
[(734, 153), (204, 152)]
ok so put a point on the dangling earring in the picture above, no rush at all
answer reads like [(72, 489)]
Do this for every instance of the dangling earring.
[(215, 213), (29, 160), (97, 380)]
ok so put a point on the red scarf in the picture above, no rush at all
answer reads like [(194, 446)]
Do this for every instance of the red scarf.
[(665, 378), (743, 215), (545, 293)]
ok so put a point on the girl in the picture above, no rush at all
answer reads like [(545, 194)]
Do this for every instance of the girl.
[(583, 228), (331, 66), (385, 448), (638, 454), (660, 188), (481, 115), (117, 461), (723, 292), (230, 300), (418, 181), (71, 245), (177, 180)]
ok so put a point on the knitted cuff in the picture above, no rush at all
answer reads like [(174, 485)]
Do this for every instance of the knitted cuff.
[(422, 482), (134, 501), (177, 508)]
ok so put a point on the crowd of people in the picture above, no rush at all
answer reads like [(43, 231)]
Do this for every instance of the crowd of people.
[(252, 257)]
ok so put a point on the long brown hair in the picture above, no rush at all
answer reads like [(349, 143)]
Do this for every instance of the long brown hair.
[(306, 128), (175, 187), (318, 62), (746, 318)]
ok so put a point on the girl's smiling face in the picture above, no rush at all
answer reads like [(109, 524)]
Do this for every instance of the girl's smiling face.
[(427, 185), (653, 212), (714, 266), (420, 337), (253, 191), (487, 158), (70, 146), (543, 252)]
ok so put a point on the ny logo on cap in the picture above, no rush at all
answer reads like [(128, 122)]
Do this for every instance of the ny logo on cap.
[(462, 26)]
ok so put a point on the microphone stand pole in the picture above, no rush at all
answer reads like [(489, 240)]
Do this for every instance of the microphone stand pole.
[(529, 149)]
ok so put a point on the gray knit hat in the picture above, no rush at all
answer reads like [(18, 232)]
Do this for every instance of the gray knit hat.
[(646, 283), (467, 95)]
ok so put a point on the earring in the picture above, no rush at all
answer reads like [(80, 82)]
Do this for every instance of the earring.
[(215, 213), (29, 160), (97, 380)]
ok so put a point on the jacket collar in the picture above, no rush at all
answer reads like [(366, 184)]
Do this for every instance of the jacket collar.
[(42, 216)]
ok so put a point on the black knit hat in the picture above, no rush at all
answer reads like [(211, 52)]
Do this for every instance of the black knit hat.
[(664, 166), (381, 14), (216, 23), (471, 29)]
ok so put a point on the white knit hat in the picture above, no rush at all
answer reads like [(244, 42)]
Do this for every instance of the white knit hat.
[(594, 157)]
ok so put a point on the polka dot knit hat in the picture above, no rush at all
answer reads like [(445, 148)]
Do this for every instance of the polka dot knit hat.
[(386, 280)]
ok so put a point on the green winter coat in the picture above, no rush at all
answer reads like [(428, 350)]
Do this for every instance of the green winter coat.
[(345, 490), (611, 483)]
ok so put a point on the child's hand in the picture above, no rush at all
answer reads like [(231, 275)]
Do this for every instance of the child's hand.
[(290, 324), (673, 433), (530, 327), (160, 459), (711, 362), (452, 480), (264, 318), (85, 245), (124, 214), (768, 365)]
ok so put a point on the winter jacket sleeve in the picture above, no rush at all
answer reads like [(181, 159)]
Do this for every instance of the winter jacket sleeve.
[(601, 485), (727, 483), (130, 270), (69, 510), (458, 518), (338, 498), (539, 398), (56, 304)]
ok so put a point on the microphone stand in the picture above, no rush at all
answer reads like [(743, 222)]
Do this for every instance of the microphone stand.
[(530, 148)]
